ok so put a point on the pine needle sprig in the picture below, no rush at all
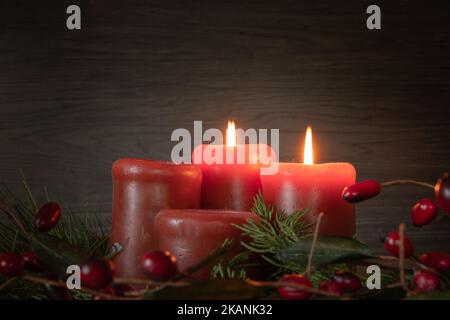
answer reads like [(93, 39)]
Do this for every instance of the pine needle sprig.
[(273, 230), (82, 231)]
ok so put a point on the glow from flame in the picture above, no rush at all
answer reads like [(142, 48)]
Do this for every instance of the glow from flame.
[(231, 134), (308, 152)]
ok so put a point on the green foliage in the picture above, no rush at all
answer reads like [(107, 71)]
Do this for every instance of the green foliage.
[(328, 250), (284, 241), (435, 295), (273, 231), (232, 269), (82, 231), (71, 241), (267, 235)]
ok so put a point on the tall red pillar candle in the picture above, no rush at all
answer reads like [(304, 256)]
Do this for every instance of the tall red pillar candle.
[(140, 189), (317, 187), (192, 235), (231, 173)]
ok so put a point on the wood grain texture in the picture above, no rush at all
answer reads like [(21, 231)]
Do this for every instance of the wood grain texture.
[(73, 102)]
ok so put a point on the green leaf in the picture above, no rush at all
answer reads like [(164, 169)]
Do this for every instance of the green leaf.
[(218, 289), (436, 295), (329, 249), (56, 254)]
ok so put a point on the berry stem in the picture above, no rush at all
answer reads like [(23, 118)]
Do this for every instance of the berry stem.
[(406, 181), (64, 285), (313, 244), (150, 282)]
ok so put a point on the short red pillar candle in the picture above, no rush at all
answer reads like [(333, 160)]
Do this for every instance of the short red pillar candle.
[(192, 235), (141, 189), (317, 187)]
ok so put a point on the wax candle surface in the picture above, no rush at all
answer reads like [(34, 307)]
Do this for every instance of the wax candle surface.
[(192, 235), (141, 189), (231, 185), (318, 187)]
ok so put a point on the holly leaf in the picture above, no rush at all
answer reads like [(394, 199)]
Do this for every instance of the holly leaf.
[(218, 289), (329, 249), (55, 254)]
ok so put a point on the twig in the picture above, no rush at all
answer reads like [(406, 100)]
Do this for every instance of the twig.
[(313, 244), (62, 284), (150, 282), (401, 232), (406, 181), (7, 283)]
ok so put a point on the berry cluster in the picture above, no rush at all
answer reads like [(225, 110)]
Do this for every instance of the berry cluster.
[(422, 212), (14, 264), (341, 282), (426, 278)]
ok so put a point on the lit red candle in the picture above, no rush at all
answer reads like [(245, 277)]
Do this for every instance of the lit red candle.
[(192, 235), (314, 186), (140, 189), (233, 182)]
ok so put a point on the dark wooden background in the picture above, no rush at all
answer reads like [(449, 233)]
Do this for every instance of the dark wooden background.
[(71, 102)]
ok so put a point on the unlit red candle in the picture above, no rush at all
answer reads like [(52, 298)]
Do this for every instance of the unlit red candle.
[(192, 235), (140, 189)]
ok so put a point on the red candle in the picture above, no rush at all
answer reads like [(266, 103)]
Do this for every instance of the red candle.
[(140, 189), (231, 172), (192, 235), (314, 186)]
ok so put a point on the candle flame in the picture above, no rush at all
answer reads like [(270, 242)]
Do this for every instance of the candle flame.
[(231, 134), (308, 151)]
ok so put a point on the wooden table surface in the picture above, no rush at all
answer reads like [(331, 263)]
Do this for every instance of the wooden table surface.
[(74, 101)]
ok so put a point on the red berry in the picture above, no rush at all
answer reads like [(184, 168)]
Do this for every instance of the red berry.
[(332, 287), (31, 262), (158, 265), (11, 264), (423, 212), (426, 281), (347, 281), (436, 260), (47, 216), (392, 242), (292, 293), (96, 274), (442, 192), (361, 191)]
